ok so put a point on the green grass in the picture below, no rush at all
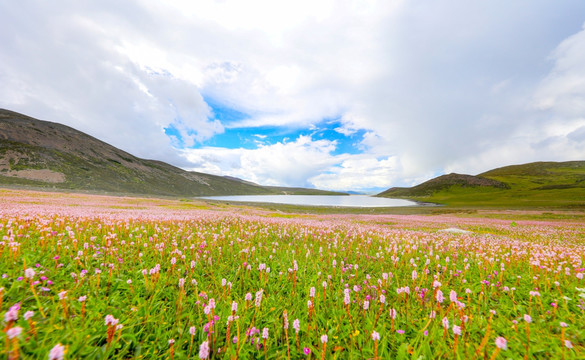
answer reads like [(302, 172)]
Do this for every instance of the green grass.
[(227, 256)]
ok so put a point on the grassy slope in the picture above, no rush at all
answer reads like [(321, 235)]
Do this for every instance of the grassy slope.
[(533, 185)]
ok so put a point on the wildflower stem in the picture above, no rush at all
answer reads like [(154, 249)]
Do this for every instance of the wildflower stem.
[(495, 354)]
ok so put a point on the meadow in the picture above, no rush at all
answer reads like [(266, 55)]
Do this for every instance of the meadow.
[(97, 277)]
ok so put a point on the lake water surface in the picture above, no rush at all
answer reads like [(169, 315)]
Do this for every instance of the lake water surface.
[(318, 200)]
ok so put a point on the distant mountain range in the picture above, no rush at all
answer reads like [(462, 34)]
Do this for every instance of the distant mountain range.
[(43, 154), (538, 184)]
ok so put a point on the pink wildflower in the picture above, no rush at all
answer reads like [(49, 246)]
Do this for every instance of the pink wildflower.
[(11, 315), (440, 297), (258, 300), (14, 332), (453, 296), (501, 343), (297, 325), (204, 350), (57, 352), (445, 323), (346, 299), (111, 320)]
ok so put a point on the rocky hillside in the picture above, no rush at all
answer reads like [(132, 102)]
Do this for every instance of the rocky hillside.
[(44, 154)]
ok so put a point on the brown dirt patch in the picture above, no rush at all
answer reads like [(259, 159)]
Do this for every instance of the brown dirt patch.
[(45, 175)]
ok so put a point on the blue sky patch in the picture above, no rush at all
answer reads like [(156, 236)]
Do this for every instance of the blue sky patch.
[(176, 138), (223, 113), (253, 137)]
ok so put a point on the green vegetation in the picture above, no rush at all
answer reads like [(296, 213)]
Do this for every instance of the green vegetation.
[(537, 185), (119, 278)]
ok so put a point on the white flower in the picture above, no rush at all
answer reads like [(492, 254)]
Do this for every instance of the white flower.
[(29, 273)]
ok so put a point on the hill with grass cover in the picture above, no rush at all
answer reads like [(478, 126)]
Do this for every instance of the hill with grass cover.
[(532, 185), (43, 154)]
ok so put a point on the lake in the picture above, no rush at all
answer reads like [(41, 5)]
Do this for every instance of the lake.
[(318, 200)]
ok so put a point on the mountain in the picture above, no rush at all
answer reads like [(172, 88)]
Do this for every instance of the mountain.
[(444, 182), (538, 184), (44, 154)]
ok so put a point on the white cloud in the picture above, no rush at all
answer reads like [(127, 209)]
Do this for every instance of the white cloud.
[(440, 86), (563, 91), (350, 173), (302, 162), (284, 163)]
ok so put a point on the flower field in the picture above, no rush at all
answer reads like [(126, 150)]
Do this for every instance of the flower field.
[(98, 277)]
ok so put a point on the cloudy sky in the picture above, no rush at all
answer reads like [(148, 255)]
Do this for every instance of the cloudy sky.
[(343, 95)]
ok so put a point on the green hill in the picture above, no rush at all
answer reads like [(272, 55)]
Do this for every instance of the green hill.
[(443, 183), (533, 185), (42, 154)]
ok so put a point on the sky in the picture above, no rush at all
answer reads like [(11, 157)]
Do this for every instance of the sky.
[(357, 95)]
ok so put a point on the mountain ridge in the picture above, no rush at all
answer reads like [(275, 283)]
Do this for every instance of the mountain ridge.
[(45, 154), (542, 183)]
